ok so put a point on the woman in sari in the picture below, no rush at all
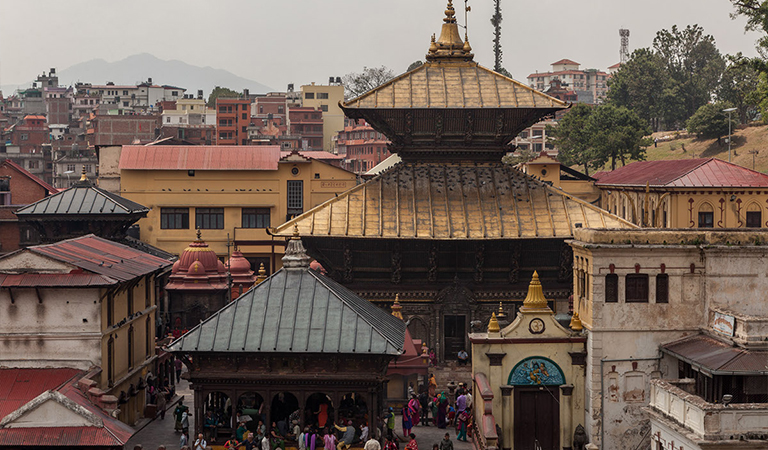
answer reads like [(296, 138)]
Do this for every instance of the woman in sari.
[(442, 409), (415, 408), (432, 385), (407, 420)]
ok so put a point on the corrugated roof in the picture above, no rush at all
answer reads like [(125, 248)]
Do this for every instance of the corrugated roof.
[(19, 386), (452, 201), (700, 172), (54, 280), (718, 358), (297, 311), (455, 85), (82, 200), (102, 256), (200, 157)]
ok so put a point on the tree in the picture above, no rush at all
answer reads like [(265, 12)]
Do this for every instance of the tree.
[(571, 138), (496, 22), (693, 62), (356, 84), (710, 122), (222, 92), (415, 65), (643, 85), (616, 133), (756, 12), (739, 86)]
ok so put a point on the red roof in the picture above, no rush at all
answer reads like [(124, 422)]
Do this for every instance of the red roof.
[(200, 157), (19, 386), (103, 257), (701, 173), (321, 155), (54, 280), (27, 174), (618, 64), (33, 117), (565, 61)]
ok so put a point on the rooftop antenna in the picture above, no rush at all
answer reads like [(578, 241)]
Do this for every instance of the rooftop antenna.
[(624, 51)]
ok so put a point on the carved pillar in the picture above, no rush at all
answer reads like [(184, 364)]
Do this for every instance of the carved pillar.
[(199, 407), (566, 415), (507, 416)]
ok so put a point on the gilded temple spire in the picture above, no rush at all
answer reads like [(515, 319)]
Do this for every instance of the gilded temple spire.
[(397, 308), (535, 300), (450, 46)]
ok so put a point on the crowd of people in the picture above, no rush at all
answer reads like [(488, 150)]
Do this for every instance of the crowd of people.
[(445, 413)]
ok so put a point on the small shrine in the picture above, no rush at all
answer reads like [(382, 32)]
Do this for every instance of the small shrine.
[(197, 286), (297, 346), (532, 398), (409, 369), (241, 275)]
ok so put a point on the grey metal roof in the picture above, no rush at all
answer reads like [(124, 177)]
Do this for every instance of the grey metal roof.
[(297, 311), (82, 199)]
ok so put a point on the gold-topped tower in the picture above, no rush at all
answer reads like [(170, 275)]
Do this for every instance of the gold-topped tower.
[(535, 302), (396, 308), (450, 46)]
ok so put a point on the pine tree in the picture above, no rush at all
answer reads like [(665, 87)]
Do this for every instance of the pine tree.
[(496, 22)]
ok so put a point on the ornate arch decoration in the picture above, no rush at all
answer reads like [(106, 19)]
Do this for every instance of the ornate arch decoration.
[(536, 371)]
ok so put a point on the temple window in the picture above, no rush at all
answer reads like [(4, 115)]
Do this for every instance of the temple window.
[(636, 288), (611, 288), (754, 216), (662, 288), (209, 218), (174, 218), (256, 218), (706, 216), (295, 196)]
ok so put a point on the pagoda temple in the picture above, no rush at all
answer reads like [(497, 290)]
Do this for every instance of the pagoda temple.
[(450, 229)]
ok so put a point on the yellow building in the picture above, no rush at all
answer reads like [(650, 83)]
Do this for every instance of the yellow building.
[(233, 194), (326, 98), (529, 378), (688, 193), (549, 170)]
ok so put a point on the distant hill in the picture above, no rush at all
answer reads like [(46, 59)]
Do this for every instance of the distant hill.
[(138, 68)]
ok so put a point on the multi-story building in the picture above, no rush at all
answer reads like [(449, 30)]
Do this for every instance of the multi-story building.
[(307, 123), (591, 85), (189, 110), (85, 302), (69, 163), (232, 194), (233, 115), (326, 98), (274, 104), (361, 146), (18, 188), (132, 98), (109, 129)]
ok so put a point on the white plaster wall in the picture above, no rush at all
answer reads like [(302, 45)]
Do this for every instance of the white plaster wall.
[(737, 279), (27, 261), (50, 412), (666, 438)]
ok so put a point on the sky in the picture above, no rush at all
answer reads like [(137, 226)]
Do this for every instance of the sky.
[(278, 42)]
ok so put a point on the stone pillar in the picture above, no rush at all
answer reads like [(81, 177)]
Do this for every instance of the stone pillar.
[(566, 416), (507, 416)]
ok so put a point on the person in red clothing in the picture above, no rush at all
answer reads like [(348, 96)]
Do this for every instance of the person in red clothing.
[(412, 444)]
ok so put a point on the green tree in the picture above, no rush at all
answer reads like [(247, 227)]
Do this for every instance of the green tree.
[(738, 86), (643, 85), (616, 133), (415, 65), (222, 92), (710, 122), (496, 22), (693, 62), (571, 137), (356, 84), (756, 12)]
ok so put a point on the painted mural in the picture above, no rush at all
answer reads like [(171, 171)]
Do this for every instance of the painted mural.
[(536, 371)]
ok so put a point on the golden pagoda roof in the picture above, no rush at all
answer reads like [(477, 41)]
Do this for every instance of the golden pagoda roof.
[(451, 79), (451, 201)]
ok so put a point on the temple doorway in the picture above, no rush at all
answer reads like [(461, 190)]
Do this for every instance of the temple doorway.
[(537, 417), (454, 335)]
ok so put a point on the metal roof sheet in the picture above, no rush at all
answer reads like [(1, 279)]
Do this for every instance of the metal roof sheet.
[(718, 358), (297, 311), (452, 201), (54, 280), (200, 157), (19, 386), (46, 437), (82, 200), (103, 257), (701, 172)]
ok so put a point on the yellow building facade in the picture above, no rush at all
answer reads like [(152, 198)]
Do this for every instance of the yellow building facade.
[(549, 170), (233, 194), (695, 193), (326, 98)]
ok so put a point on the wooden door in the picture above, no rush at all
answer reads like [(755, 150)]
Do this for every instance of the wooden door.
[(537, 418), (454, 333)]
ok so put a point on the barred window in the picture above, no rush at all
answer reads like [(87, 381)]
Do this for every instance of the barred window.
[(209, 218), (255, 217), (662, 288), (295, 195), (636, 288), (174, 218), (611, 288)]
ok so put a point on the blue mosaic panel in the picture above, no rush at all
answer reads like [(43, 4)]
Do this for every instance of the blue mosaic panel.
[(536, 371)]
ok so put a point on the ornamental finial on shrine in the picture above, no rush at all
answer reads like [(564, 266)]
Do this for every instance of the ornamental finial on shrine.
[(450, 46), (535, 300)]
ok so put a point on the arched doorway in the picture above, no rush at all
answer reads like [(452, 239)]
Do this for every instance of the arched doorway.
[(352, 407), (536, 403), (250, 405), (319, 410), (283, 405), (219, 405), (419, 330)]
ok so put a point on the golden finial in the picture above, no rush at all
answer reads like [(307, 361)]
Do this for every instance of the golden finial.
[(432, 45), (262, 274), (199, 235), (535, 300), (450, 46), (83, 176), (295, 231), (396, 308), (467, 48), (501, 314), (576, 322), (493, 324), (450, 13)]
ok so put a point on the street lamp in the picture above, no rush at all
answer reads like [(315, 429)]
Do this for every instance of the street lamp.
[(729, 111)]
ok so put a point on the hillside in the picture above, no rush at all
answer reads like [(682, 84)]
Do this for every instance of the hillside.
[(744, 141), (138, 68)]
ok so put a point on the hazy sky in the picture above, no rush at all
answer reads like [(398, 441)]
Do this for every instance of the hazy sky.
[(298, 41)]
